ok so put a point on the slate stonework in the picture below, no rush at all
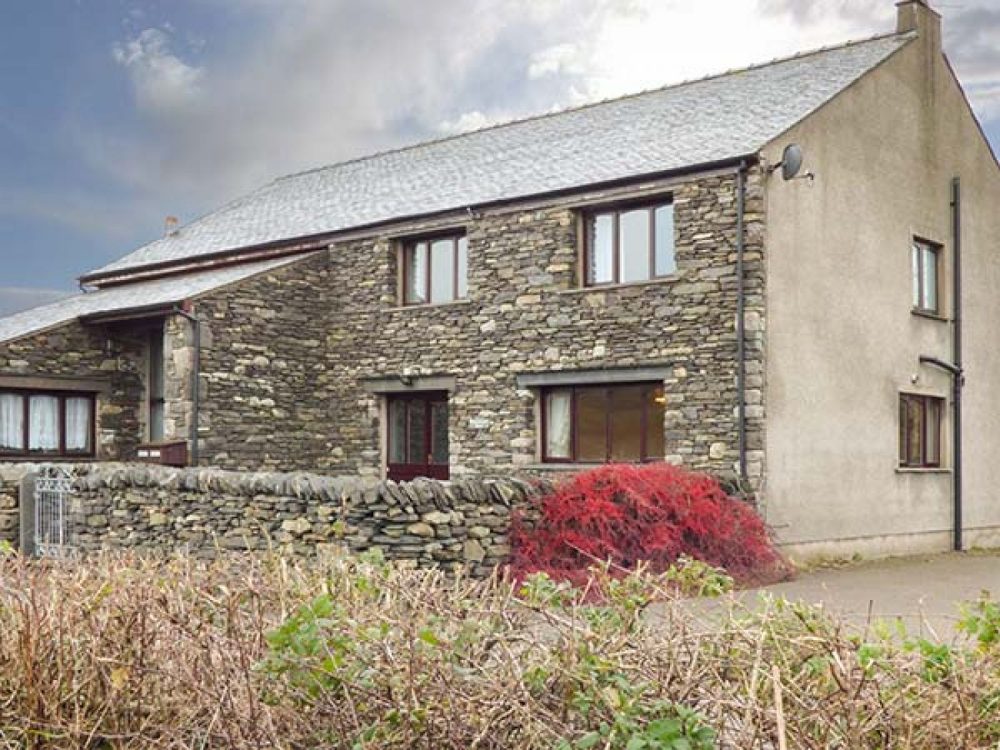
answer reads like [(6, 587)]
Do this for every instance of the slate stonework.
[(427, 523), (286, 355), (74, 351)]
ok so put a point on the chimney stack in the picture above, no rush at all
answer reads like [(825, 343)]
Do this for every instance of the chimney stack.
[(918, 16)]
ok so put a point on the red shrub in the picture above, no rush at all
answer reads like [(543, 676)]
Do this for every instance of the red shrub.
[(625, 514)]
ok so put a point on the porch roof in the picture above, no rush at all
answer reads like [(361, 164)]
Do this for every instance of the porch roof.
[(137, 296)]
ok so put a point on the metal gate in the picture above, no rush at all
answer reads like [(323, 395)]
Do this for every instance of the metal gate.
[(53, 530)]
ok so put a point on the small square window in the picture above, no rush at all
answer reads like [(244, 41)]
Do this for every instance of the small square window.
[(435, 270), (920, 430), (925, 260)]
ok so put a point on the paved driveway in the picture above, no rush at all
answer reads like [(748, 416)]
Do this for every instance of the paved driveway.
[(923, 591)]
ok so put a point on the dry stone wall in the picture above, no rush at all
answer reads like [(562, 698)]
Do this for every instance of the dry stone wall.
[(427, 523)]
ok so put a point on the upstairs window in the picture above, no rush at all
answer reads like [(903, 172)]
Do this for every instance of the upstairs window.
[(925, 260), (435, 270), (43, 425), (630, 244), (599, 424), (920, 431)]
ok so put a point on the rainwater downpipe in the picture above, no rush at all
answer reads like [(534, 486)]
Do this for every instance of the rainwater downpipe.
[(958, 377), (741, 366), (195, 380)]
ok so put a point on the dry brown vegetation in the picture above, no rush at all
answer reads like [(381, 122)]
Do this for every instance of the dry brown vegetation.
[(124, 651)]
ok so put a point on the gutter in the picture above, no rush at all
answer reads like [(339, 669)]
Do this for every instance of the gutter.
[(741, 364), (195, 377)]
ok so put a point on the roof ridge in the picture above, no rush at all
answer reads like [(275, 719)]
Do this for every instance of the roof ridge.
[(597, 103)]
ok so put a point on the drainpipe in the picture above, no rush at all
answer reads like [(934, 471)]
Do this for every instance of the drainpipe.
[(954, 368), (958, 380), (741, 365), (195, 380)]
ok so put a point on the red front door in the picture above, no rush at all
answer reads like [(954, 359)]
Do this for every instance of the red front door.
[(418, 436)]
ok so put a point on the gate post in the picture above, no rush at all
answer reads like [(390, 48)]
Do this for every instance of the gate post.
[(26, 501)]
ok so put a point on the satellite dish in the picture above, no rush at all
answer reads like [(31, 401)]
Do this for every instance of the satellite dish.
[(791, 161)]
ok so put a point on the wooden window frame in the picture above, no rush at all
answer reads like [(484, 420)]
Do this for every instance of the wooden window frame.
[(616, 210), (920, 244), (925, 462), (648, 388), (62, 452), (408, 246)]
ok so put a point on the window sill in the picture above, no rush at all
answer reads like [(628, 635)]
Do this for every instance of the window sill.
[(923, 470), (929, 315), (431, 306), (614, 287)]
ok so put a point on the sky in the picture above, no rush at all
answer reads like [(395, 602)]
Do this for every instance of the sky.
[(115, 114)]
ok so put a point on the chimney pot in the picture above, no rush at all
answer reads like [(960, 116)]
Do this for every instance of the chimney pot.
[(170, 226)]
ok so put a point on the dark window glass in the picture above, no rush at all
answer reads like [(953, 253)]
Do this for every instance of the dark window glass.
[(435, 271), (592, 424), (597, 424), (416, 433), (920, 430), (397, 432), (157, 398), (630, 244)]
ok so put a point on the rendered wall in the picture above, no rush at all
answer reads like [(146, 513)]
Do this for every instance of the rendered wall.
[(842, 342)]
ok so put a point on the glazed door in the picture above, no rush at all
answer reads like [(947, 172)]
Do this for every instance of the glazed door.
[(418, 436)]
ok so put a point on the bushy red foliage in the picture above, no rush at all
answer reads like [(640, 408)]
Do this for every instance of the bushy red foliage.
[(652, 513)]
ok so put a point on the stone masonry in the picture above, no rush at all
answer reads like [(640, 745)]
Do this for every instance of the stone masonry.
[(112, 355), (286, 355), (451, 524)]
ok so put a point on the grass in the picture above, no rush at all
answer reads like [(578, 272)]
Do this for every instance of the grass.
[(123, 651)]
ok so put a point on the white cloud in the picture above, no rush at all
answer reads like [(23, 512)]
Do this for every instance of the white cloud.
[(161, 80), (324, 80)]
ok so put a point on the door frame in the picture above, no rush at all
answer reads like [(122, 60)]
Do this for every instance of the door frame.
[(409, 471)]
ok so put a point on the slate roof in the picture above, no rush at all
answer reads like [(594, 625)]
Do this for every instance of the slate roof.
[(699, 122), (128, 297)]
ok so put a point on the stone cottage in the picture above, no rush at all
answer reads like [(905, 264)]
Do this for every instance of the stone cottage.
[(648, 278)]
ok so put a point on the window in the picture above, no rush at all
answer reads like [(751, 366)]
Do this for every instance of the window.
[(630, 244), (156, 396), (925, 258), (598, 424), (40, 424), (920, 430), (435, 270)]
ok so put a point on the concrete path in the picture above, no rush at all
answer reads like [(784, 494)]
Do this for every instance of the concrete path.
[(923, 591)]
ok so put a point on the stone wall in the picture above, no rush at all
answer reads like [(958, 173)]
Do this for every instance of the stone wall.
[(206, 511), (113, 356), (287, 354), (264, 371), (527, 313), (10, 501)]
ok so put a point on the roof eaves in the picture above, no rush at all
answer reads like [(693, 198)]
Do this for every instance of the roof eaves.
[(309, 243)]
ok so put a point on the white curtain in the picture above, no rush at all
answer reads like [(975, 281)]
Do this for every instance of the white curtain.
[(557, 424), (11, 421), (43, 425), (78, 424)]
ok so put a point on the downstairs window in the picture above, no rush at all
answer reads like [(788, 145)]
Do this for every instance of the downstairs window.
[(920, 431), (46, 424), (600, 424)]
